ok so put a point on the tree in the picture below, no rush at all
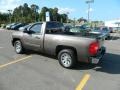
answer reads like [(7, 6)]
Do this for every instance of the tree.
[(64, 18), (51, 14), (22, 14), (4, 18), (26, 14), (55, 14), (82, 20), (35, 9), (43, 13)]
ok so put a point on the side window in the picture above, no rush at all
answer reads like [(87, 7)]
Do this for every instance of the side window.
[(36, 29)]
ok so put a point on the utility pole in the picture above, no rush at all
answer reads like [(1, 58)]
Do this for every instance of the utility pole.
[(74, 22), (22, 15), (89, 2), (67, 17), (36, 11), (35, 14), (9, 11)]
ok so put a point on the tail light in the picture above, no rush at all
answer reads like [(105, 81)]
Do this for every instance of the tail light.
[(93, 48)]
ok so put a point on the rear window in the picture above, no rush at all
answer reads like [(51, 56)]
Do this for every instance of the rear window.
[(54, 25), (54, 28)]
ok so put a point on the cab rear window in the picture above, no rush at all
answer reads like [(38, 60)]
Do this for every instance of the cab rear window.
[(54, 27)]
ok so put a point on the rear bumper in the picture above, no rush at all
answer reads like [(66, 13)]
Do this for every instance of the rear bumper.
[(98, 57)]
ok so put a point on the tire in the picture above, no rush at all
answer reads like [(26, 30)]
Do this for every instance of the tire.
[(18, 47), (67, 58)]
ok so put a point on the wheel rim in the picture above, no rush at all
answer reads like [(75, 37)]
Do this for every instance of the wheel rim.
[(66, 59), (18, 47)]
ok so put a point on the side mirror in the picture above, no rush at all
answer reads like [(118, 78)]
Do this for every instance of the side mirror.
[(26, 30)]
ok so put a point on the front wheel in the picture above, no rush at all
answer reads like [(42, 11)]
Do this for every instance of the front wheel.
[(67, 58), (18, 47)]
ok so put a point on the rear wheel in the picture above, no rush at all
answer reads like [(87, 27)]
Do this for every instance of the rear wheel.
[(67, 58), (18, 47)]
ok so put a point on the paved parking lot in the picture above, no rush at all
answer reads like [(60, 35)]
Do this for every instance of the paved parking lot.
[(34, 71)]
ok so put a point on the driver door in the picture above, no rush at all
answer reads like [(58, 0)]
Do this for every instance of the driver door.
[(33, 39)]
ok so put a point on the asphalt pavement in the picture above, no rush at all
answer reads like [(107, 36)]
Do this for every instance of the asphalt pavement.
[(35, 71)]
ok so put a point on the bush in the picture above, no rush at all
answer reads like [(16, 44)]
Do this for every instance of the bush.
[(3, 25)]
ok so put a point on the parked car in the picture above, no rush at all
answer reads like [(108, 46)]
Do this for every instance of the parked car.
[(50, 38), (104, 31), (78, 30), (17, 26), (115, 29), (67, 27), (10, 25), (24, 27), (83, 27)]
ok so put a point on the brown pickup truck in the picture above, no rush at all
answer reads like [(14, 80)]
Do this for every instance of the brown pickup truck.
[(51, 38)]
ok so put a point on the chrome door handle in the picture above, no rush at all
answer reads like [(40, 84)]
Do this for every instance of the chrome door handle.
[(37, 37)]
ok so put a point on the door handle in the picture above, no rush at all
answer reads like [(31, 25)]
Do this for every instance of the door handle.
[(37, 37)]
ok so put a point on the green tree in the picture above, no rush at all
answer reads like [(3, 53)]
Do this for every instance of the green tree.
[(55, 14), (43, 13), (64, 18), (22, 14), (26, 14), (4, 18), (34, 9)]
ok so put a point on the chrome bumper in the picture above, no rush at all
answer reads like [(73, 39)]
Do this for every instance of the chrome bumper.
[(95, 59)]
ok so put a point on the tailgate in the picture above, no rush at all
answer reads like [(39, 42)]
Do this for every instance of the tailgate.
[(101, 39)]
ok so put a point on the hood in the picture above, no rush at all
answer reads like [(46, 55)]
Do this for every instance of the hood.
[(17, 34)]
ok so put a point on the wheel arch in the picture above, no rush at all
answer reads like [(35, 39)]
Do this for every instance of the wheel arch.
[(61, 47), (15, 39)]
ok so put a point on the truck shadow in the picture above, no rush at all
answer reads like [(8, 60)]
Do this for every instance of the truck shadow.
[(30, 52), (110, 63), (114, 38)]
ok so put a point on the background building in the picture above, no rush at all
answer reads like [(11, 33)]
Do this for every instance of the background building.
[(113, 23)]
